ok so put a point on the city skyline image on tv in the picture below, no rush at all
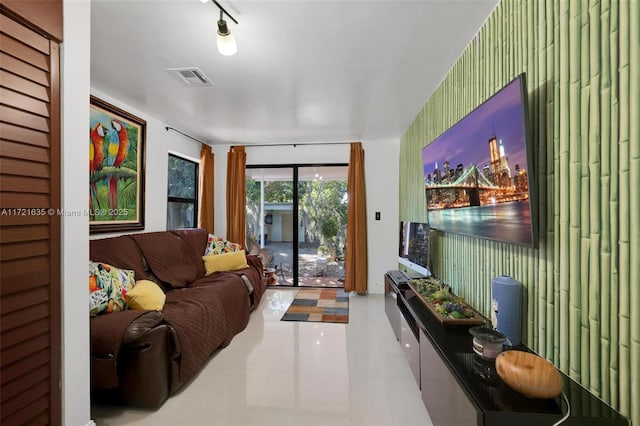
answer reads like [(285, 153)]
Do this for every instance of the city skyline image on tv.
[(476, 174)]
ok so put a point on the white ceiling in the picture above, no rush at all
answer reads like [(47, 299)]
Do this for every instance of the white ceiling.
[(305, 71)]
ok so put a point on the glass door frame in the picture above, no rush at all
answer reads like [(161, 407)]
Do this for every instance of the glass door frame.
[(296, 227)]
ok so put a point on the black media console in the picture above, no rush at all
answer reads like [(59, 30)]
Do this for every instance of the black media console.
[(460, 388)]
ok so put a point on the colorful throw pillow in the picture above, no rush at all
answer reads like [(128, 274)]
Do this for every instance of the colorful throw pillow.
[(146, 296), (108, 287), (218, 245), (225, 262)]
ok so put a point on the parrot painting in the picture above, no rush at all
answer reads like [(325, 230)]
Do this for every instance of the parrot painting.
[(117, 150), (112, 142), (96, 155), (123, 146)]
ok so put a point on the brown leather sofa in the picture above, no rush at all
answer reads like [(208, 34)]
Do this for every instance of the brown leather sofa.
[(141, 357)]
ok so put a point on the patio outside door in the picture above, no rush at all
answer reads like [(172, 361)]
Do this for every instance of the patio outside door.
[(322, 218), (296, 222)]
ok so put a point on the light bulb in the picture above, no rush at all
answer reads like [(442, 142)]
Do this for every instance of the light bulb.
[(225, 41), (227, 44)]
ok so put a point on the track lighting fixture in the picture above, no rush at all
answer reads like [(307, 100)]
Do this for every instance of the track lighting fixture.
[(225, 41)]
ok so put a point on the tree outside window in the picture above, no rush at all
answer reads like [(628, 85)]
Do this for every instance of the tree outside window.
[(182, 199), (323, 210)]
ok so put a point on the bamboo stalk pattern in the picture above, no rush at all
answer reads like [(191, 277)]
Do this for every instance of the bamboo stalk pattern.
[(582, 284)]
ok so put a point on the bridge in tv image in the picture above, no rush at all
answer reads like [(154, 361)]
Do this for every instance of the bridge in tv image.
[(472, 187)]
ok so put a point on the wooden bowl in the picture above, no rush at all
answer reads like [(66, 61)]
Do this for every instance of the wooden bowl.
[(529, 374)]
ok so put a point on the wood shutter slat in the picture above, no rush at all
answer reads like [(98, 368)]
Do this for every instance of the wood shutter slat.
[(20, 134), (24, 119), (28, 380), (10, 166), (23, 366), (24, 184), (28, 331), (24, 299), (22, 102), (23, 69), (42, 419), (27, 414), (31, 280), (17, 250), (17, 352), (24, 34), (22, 200), (23, 151), (24, 53), (18, 275), (33, 393), (22, 221), (24, 86)]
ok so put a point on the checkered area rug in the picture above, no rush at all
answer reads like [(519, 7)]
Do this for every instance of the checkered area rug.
[(319, 305)]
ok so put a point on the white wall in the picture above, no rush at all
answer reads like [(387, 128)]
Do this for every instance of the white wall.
[(381, 173), (75, 54), (381, 159), (159, 142)]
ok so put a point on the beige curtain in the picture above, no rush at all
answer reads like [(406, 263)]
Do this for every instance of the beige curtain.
[(356, 250), (205, 208), (236, 201)]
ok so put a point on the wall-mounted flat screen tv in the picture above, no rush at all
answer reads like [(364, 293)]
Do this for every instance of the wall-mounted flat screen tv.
[(414, 247), (477, 175)]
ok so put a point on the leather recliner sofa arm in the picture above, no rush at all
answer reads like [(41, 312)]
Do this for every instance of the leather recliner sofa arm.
[(144, 369), (141, 350), (141, 325)]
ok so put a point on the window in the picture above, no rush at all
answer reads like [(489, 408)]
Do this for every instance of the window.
[(182, 199)]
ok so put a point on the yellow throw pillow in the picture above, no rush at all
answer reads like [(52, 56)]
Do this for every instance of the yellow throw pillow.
[(225, 262), (146, 296)]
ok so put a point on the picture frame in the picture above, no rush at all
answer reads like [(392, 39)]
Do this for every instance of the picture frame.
[(116, 168)]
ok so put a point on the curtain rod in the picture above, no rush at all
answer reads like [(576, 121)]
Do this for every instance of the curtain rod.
[(167, 128), (250, 145)]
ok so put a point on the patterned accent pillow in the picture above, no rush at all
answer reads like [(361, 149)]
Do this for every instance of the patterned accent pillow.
[(108, 288), (217, 245)]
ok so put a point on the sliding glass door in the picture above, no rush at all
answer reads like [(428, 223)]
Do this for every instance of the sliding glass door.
[(322, 217), (296, 222), (270, 212)]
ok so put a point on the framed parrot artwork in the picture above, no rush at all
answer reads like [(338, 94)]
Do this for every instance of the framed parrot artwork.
[(116, 169)]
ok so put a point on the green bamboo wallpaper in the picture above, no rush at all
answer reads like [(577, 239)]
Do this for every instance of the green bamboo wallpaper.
[(582, 297)]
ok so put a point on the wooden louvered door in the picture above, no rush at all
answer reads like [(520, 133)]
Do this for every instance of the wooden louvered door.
[(30, 338)]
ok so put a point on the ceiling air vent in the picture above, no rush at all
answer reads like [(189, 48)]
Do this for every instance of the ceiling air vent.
[(190, 77)]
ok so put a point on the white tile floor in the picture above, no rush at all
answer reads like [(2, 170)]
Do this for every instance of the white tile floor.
[(293, 373)]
